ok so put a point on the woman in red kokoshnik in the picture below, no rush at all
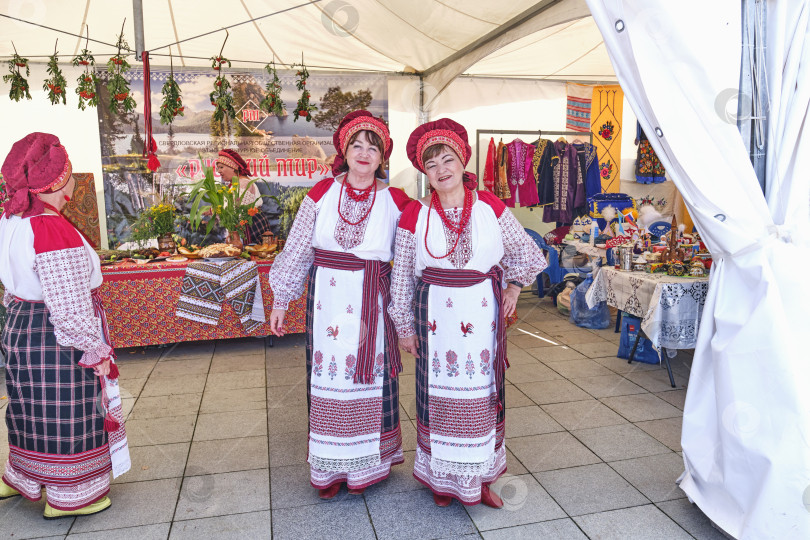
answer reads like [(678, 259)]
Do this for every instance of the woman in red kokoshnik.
[(64, 416), (343, 238), (455, 251), (232, 167)]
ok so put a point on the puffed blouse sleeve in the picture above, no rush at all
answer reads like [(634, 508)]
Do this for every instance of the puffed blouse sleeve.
[(289, 271), (522, 258), (62, 265), (403, 274)]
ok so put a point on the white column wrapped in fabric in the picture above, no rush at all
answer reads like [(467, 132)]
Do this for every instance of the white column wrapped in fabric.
[(746, 428)]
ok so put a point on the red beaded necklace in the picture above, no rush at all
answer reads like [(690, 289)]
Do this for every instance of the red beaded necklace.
[(358, 195), (466, 213)]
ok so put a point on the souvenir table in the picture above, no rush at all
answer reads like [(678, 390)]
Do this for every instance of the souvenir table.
[(587, 249), (141, 304), (669, 307)]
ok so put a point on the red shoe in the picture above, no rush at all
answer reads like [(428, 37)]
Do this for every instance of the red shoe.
[(330, 492), (442, 500), (358, 491), (489, 498)]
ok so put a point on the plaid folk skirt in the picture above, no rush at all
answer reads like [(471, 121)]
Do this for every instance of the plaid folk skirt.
[(54, 416), (390, 436)]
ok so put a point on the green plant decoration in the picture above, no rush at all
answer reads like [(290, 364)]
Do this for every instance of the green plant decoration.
[(19, 85), (272, 103), (172, 101), (56, 84), (303, 108), (118, 86), (87, 81)]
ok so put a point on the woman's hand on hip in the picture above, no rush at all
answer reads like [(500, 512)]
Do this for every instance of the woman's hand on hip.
[(410, 344), (510, 297), (277, 322)]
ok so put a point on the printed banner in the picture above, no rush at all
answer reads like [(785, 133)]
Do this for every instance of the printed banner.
[(606, 126), (282, 152), (578, 107)]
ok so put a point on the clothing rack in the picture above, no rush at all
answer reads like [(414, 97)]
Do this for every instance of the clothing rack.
[(539, 133)]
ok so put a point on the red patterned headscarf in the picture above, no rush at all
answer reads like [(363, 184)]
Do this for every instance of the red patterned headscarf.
[(37, 163), (231, 158), (354, 122), (443, 131)]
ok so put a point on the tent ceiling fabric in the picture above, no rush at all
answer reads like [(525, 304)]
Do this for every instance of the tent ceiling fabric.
[(378, 35)]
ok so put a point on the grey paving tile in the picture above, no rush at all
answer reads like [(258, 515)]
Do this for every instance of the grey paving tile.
[(558, 529), (524, 501), (583, 414), (192, 384), (513, 465), (166, 406), (236, 380), (400, 479), (239, 347), (290, 488), (654, 476), (571, 369), (227, 455), (416, 516), (656, 380), (532, 341), (514, 398), (557, 391), (596, 350), (408, 429), (223, 494), (180, 368), (620, 365), (155, 462), (133, 505), (550, 451), (637, 523), (347, 518), (189, 349), (231, 425), (689, 516), (552, 324), (245, 399), (286, 396), (154, 431), (408, 404), (590, 489), (667, 431), (607, 386), (525, 373), (232, 527), (407, 385), (133, 369), (624, 441), (290, 376), (674, 397), (281, 421), (140, 353), (21, 518), (558, 353), (288, 450), (131, 387), (573, 337), (159, 531), (289, 357), (228, 364), (519, 357), (641, 407), (523, 421)]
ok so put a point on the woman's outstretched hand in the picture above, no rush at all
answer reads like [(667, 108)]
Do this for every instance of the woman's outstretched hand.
[(277, 322)]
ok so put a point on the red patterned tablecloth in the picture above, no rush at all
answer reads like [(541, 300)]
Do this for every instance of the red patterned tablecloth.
[(141, 300)]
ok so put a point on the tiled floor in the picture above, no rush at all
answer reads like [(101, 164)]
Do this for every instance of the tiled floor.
[(218, 436)]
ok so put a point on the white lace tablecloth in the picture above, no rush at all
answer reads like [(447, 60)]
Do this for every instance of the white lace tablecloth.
[(669, 307)]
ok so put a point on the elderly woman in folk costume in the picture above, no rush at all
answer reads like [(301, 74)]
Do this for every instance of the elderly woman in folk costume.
[(343, 238), (231, 167), (455, 250), (64, 416)]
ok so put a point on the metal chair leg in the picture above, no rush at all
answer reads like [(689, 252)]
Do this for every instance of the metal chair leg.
[(669, 367), (635, 346)]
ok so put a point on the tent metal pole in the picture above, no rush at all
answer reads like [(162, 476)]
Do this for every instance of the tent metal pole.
[(137, 11), (752, 99)]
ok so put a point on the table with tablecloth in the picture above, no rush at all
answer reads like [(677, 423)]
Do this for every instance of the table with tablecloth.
[(669, 307), (141, 304)]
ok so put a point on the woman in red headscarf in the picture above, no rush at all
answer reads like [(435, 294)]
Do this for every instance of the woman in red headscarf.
[(343, 238), (64, 416), (455, 250), (232, 167)]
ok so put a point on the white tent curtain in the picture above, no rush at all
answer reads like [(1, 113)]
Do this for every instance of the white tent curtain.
[(746, 427)]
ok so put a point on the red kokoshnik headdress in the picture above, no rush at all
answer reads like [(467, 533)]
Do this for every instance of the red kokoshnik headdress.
[(37, 163), (442, 131), (355, 121), (231, 158)]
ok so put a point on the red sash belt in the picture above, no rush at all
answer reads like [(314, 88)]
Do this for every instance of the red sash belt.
[(376, 280), (468, 278)]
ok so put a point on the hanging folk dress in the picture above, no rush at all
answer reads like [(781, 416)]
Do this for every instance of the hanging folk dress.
[(462, 339), (352, 349), (55, 333)]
